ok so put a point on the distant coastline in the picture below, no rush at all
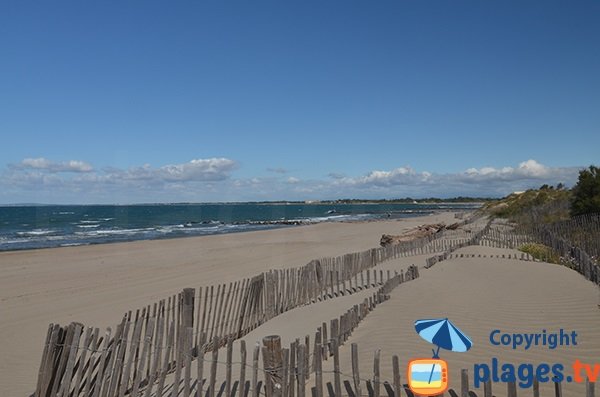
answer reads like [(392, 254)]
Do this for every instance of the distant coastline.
[(407, 200)]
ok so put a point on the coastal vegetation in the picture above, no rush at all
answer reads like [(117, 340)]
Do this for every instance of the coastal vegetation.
[(572, 214), (541, 252), (586, 194), (550, 204)]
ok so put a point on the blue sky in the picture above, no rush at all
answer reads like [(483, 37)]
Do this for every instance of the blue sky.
[(217, 101)]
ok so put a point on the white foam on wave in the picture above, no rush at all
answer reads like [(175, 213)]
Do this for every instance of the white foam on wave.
[(334, 218), (108, 232), (37, 232)]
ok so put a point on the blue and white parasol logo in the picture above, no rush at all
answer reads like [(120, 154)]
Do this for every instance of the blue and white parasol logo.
[(442, 333)]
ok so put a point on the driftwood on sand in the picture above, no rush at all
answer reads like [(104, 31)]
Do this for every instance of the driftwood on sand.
[(419, 232)]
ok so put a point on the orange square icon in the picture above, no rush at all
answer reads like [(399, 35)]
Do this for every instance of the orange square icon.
[(427, 376)]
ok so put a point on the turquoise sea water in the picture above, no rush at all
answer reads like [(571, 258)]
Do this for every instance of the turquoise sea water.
[(27, 227)]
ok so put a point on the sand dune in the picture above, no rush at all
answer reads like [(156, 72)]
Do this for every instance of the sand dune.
[(480, 295)]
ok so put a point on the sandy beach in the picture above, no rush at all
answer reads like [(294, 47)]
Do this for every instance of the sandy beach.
[(95, 285)]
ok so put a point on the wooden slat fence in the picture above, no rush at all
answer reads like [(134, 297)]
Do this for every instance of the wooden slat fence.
[(151, 342)]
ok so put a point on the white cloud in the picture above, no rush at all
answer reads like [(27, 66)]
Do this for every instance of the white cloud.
[(214, 169), (529, 169), (473, 181), (211, 180), (526, 169), (42, 163), (199, 170)]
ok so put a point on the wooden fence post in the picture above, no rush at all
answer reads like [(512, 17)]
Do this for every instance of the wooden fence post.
[(242, 385), (273, 365), (337, 384), (376, 380), (301, 370), (464, 383), (511, 389), (255, 355), (213, 367), (397, 382), (487, 389), (589, 388), (557, 389), (228, 367), (318, 371), (200, 367), (355, 371)]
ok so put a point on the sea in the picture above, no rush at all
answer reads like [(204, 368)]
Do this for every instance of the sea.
[(47, 226)]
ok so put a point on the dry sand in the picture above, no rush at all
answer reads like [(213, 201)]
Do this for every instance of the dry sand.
[(480, 295), (95, 285)]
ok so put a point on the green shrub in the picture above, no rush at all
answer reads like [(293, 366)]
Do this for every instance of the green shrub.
[(541, 252), (586, 193)]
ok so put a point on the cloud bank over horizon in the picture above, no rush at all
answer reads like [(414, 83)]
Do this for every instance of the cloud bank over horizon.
[(42, 180)]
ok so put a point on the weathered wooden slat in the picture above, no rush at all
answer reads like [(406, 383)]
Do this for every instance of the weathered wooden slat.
[(396, 374), (211, 315), (66, 384), (511, 389), (301, 370), (232, 307), (147, 341), (242, 385), (200, 369), (229, 359), (255, 355), (318, 371), (226, 308), (589, 388), (59, 370), (213, 368), (90, 366), (103, 366), (293, 372), (376, 375), (197, 318), (188, 354), (155, 367), (165, 367), (218, 316), (46, 353), (272, 364), (285, 373), (355, 370), (135, 341), (179, 362), (81, 363), (113, 372), (487, 389), (204, 312)]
